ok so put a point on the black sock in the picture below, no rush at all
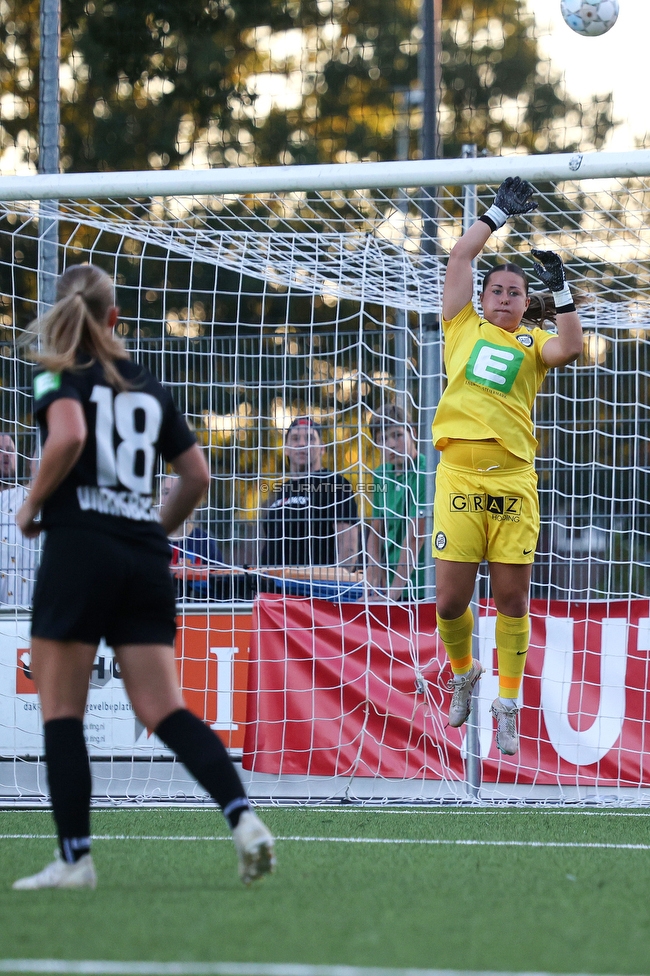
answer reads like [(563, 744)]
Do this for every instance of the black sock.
[(68, 773), (204, 755)]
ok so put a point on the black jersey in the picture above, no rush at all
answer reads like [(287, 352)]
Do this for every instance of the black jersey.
[(301, 522), (110, 488)]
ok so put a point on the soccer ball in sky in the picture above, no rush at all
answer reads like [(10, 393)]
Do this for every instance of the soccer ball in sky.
[(590, 17)]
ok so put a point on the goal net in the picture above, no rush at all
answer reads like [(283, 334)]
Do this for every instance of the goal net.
[(264, 296)]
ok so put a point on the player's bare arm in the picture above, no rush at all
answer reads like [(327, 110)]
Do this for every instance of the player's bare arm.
[(409, 557), (566, 346), (347, 543), (376, 573), (62, 449), (513, 197), (459, 277)]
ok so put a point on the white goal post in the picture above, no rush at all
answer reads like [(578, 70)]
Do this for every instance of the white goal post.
[(328, 176), (261, 295)]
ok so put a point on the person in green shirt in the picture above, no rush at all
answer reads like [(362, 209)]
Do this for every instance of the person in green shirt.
[(397, 527)]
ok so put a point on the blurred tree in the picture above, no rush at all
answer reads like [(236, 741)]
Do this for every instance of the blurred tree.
[(18, 84), (150, 78), (156, 83), (356, 61)]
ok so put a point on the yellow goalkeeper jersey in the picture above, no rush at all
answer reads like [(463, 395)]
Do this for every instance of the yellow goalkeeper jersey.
[(492, 379)]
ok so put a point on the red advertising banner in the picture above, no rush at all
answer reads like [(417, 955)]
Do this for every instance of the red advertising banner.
[(332, 690), (343, 689)]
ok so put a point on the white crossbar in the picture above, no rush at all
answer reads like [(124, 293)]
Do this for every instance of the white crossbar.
[(335, 176)]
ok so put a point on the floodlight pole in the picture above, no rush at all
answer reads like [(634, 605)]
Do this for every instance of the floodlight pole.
[(472, 744), (406, 99), (399, 332), (48, 142), (430, 340)]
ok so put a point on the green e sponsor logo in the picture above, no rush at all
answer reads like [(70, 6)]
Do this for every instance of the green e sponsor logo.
[(494, 366), (45, 383)]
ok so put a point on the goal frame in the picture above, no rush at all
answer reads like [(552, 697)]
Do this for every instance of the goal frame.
[(467, 172)]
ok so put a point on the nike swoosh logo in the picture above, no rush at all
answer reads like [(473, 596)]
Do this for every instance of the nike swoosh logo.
[(527, 552), (522, 652)]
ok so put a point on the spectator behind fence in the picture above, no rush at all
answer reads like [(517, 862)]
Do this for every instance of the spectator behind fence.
[(18, 555), (397, 528), (311, 518), (192, 548)]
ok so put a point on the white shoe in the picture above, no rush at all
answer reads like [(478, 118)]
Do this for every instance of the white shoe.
[(254, 845), (507, 738), (59, 874), (462, 686)]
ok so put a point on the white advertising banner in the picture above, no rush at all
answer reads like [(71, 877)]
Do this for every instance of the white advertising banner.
[(110, 725)]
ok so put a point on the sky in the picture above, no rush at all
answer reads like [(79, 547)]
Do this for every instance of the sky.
[(616, 61)]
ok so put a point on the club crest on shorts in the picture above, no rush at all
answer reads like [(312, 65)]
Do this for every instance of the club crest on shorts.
[(525, 339), (440, 540)]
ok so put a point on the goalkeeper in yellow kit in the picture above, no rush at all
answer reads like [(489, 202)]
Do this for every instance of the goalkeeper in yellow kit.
[(486, 504)]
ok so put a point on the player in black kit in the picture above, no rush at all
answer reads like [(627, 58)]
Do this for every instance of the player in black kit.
[(105, 421)]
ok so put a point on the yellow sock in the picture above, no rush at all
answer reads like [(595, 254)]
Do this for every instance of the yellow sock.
[(513, 636), (456, 635)]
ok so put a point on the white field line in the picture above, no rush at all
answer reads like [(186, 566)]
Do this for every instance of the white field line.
[(433, 842), (89, 967), (356, 809), (473, 812)]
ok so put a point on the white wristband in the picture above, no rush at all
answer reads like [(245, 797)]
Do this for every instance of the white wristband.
[(496, 216), (564, 297)]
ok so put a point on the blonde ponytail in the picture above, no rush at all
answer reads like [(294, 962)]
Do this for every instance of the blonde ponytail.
[(77, 323)]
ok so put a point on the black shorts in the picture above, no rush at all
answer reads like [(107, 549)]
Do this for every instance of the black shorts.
[(92, 585)]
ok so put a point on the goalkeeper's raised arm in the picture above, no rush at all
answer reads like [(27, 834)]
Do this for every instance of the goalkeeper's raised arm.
[(514, 196)]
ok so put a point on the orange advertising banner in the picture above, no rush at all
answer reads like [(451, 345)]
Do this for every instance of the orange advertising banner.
[(212, 656)]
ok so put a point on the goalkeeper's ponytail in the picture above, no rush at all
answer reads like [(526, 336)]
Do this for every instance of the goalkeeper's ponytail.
[(541, 309)]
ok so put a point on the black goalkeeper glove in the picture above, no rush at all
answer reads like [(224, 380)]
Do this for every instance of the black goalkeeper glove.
[(513, 197), (551, 271)]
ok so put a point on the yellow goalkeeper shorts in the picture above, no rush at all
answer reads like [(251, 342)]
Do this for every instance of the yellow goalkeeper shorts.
[(486, 505)]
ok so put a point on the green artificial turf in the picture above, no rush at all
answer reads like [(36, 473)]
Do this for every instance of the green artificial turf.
[(554, 909)]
